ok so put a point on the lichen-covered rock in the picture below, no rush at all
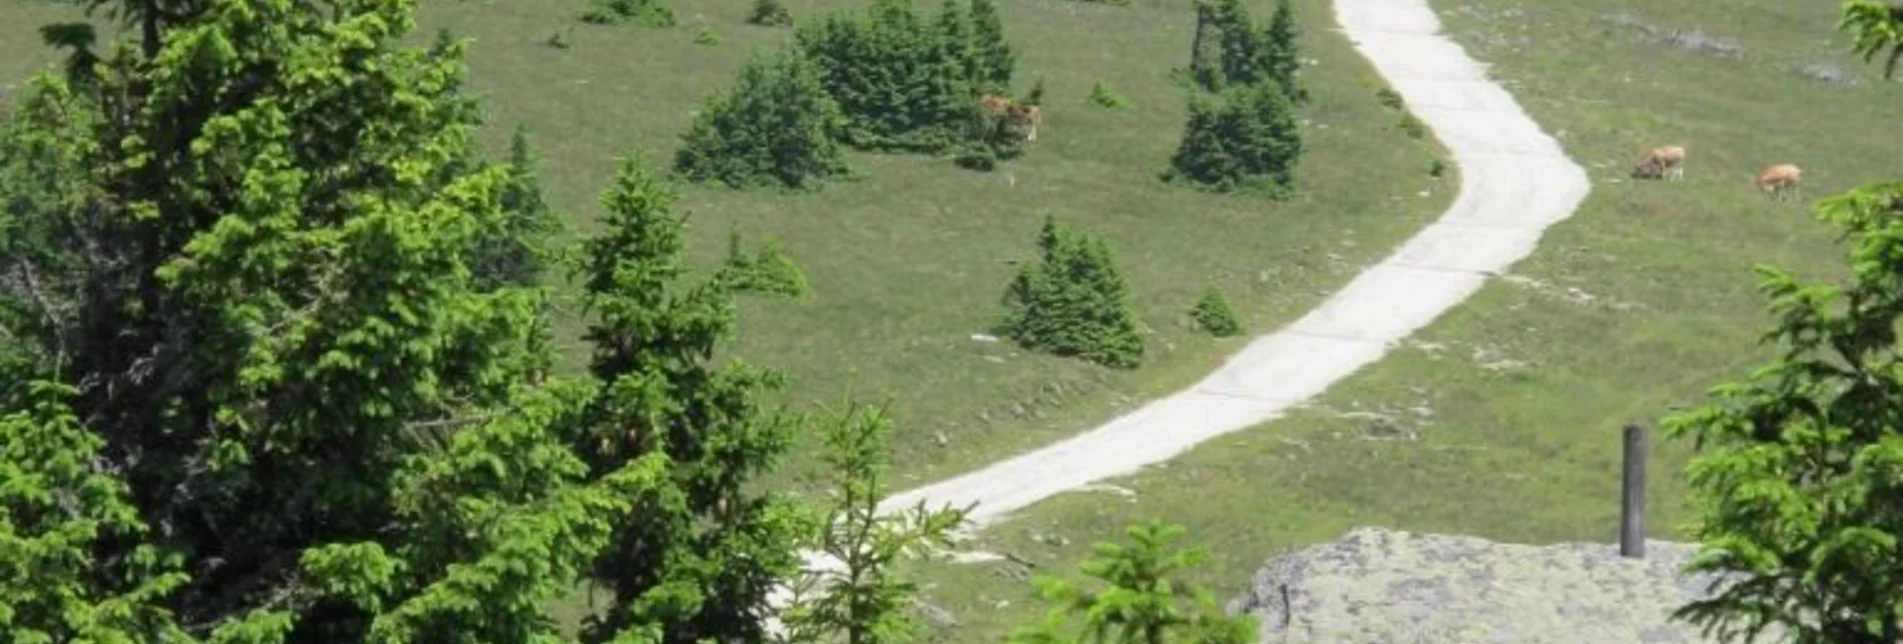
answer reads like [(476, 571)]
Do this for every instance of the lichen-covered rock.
[(1378, 586)]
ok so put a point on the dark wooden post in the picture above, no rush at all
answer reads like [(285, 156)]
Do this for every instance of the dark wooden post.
[(1632, 505)]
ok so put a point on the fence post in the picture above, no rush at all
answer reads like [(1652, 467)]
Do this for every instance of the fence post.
[(1632, 505)]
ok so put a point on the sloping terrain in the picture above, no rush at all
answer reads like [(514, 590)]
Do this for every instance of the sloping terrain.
[(1501, 419)]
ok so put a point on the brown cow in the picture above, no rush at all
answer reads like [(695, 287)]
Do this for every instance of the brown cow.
[(1667, 162), (1028, 117), (1024, 117), (1781, 180)]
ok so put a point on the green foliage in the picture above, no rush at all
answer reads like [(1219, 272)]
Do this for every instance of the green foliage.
[(1102, 96), (1412, 126), (1281, 54), (770, 13), (1229, 50), (1072, 302), (906, 83), (769, 271), (699, 568), (773, 127), (1437, 168), (1213, 315), (864, 600), (640, 13), (707, 37), (1799, 458), (559, 39), (274, 351), (1245, 136), (58, 507), (1143, 600), (992, 59), (1389, 98), (518, 254), (1245, 139), (1876, 27)]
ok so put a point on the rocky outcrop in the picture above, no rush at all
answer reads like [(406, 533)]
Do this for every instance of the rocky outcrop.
[(1376, 586)]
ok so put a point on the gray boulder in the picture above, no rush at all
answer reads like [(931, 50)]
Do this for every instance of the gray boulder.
[(1377, 586)]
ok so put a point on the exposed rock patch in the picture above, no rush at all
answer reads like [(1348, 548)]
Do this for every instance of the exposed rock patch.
[(1377, 586)]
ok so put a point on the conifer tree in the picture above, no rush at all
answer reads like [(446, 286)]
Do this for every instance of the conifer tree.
[(1213, 315), (1245, 138), (1282, 53), (1073, 302), (992, 58), (1142, 599), (699, 568), (267, 402), (864, 598), (518, 254), (774, 127)]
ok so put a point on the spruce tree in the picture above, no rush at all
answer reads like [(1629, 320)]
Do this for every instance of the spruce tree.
[(774, 127), (1073, 302), (1281, 57), (700, 567), (518, 253), (865, 599), (268, 402), (1245, 138), (1142, 597), (992, 58), (1213, 315)]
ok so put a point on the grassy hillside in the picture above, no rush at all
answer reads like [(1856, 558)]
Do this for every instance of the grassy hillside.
[(908, 263), (1503, 420)]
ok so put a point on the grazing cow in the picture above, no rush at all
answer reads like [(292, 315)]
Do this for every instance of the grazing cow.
[(1667, 162), (995, 105), (1781, 180), (1027, 117), (1024, 117)]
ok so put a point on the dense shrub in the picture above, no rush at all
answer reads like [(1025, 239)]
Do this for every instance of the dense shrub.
[(1244, 138), (1072, 302), (770, 13), (1213, 315), (1229, 50), (773, 127), (1102, 96), (706, 36), (902, 81), (641, 13)]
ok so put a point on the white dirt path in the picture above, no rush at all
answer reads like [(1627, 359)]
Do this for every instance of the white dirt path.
[(1515, 182)]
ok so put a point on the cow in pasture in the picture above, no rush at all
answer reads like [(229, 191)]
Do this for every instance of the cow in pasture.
[(1025, 118), (1667, 162), (1781, 181)]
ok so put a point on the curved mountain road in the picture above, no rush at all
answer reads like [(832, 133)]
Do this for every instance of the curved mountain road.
[(1515, 182)]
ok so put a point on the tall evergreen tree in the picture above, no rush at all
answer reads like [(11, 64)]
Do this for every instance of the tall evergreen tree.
[(702, 568), (992, 58), (519, 253), (1281, 54), (266, 402)]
